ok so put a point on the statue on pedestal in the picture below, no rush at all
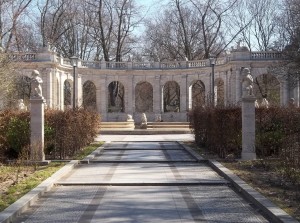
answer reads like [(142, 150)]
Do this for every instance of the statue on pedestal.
[(36, 88), (247, 82)]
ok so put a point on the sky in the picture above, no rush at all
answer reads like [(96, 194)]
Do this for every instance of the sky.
[(151, 5)]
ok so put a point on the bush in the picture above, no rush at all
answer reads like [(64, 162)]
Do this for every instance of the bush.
[(14, 133), (66, 132), (218, 129), (277, 134)]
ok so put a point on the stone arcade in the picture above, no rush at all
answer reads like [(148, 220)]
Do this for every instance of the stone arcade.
[(159, 89)]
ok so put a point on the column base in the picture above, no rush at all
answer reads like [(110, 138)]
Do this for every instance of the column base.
[(248, 156)]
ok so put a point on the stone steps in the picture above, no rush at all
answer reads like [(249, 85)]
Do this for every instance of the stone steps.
[(167, 125), (128, 128)]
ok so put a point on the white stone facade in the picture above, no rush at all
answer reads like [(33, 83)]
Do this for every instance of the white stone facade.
[(55, 71)]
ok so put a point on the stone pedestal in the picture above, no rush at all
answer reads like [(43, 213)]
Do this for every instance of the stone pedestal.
[(37, 129), (248, 128)]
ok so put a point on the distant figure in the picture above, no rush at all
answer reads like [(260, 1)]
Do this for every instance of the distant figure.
[(36, 88), (158, 117), (247, 82), (21, 105), (129, 118), (292, 103), (143, 121), (256, 104), (265, 103)]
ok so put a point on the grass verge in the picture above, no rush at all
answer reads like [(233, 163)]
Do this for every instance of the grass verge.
[(16, 179)]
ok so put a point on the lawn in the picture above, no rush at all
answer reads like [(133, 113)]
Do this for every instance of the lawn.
[(16, 179)]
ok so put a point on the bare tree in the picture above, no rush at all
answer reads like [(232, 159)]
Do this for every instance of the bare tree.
[(191, 29), (114, 22), (11, 12), (262, 31)]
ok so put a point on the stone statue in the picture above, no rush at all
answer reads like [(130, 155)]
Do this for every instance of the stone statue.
[(21, 105), (265, 103), (36, 88), (158, 117), (247, 82), (129, 118), (292, 103), (256, 104), (143, 121)]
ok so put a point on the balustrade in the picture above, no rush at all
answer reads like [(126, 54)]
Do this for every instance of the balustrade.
[(23, 57), (260, 55)]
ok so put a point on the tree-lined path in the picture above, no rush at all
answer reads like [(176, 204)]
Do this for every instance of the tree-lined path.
[(142, 182)]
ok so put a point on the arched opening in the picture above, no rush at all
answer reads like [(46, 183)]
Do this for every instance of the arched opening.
[(143, 97), (197, 94), (171, 97), (267, 86), (219, 92), (67, 94), (89, 96), (116, 93)]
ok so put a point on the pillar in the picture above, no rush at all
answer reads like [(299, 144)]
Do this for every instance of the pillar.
[(37, 129), (248, 128)]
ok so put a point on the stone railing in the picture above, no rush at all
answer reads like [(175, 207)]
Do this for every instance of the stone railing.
[(234, 56), (23, 56), (272, 55)]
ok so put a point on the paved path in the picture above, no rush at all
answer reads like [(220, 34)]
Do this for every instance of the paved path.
[(142, 182)]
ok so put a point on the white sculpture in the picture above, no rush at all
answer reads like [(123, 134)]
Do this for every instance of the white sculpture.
[(292, 102), (158, 117), (247, 82), (143, 121), (256, 104), (21, 105), (129, 118), (36, 88), (265, 103)]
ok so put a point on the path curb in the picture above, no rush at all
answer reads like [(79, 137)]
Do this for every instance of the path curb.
[(268, 208)]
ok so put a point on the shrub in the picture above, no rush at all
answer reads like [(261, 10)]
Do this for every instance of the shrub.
[(217, 129), (277, 134), (14, 133), (66, 132)]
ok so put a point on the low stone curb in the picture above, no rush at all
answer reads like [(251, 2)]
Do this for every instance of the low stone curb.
[(95, 153), (268, 208), (15, 209)]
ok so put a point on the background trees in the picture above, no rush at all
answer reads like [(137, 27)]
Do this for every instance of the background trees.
[(119, 30)]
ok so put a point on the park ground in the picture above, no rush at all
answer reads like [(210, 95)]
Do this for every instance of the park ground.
[(262, 175)]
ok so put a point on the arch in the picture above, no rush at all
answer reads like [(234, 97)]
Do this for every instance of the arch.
[(143, 97), (197, 94), (116, 96), (219, 92), (171, 97), (89, 98), (267, 86), (68, 94)]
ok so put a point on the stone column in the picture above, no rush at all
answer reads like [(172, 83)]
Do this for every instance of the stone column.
[(36, 119), (284, 93), (37, 129), (238, 85), (248, 128)]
